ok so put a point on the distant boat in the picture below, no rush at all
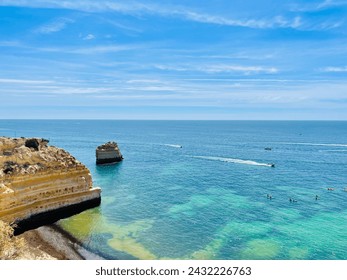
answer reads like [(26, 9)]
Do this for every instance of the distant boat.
[(173, 145), (267, 149), (272, 165)]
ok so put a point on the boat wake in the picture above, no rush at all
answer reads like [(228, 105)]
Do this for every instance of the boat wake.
[(234, 160), (333, 151), (314, 144), (172, 145)]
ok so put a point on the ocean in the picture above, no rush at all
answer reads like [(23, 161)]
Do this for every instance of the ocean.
[(207, 190)]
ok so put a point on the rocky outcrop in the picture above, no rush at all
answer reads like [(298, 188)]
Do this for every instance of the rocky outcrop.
[(108, 153), (40, 184)]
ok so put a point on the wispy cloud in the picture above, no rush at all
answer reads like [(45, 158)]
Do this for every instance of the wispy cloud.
[(19, 81), (136, 8), (314, 7), (277, 21), (239, 68), (102, 49), (331, 3), (324, 4), (89, 37), (144, 81), (153, 88), (334, 69), (10, 44), (89, 50), (219, 68), (54, 26)]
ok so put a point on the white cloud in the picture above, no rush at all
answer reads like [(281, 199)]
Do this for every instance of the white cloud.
[(219, 68), (19, 81), (239, 68), (144, 81), (331, 3), (317, 6), (89, 37), (136, 8), (126, 28), (277, 21), (153, 88), (90, 50), (54, 26), (334, 69), (173, 68), (10, 44), (102, 49)]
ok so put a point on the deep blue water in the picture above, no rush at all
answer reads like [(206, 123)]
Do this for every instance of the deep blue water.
[(208, 199)]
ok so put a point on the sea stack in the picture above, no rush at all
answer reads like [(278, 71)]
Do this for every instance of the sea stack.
[(108, 153), (40, 184)]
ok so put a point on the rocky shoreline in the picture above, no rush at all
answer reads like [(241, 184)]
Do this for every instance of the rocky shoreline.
[(52, 242)]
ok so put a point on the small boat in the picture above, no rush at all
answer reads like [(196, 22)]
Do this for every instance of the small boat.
[(267, 149), (272, 165)]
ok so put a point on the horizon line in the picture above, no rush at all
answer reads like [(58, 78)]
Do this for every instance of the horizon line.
[(262, 120)]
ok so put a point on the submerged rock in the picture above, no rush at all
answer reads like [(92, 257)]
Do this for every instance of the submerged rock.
[(108, 153), (40, 184)]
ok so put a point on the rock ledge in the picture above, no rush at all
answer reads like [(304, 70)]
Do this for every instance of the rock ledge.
[(41, 184)]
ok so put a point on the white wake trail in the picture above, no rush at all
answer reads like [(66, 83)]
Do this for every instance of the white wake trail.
[(314, 144), (234, 160), (173, 145)]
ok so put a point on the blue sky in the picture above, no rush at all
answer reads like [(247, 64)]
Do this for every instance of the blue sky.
[(151, 59)]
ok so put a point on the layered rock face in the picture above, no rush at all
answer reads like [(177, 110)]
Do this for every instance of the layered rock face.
[(40, 184), (108, 153)]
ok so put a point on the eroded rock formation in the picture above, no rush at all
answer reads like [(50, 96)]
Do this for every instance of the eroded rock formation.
[(108, 153), (40, 184)]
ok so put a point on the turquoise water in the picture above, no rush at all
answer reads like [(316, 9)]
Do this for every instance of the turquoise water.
[(208, 199)]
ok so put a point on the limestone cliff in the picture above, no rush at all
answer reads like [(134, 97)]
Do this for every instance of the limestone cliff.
[(40, 184), (108, 153)]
